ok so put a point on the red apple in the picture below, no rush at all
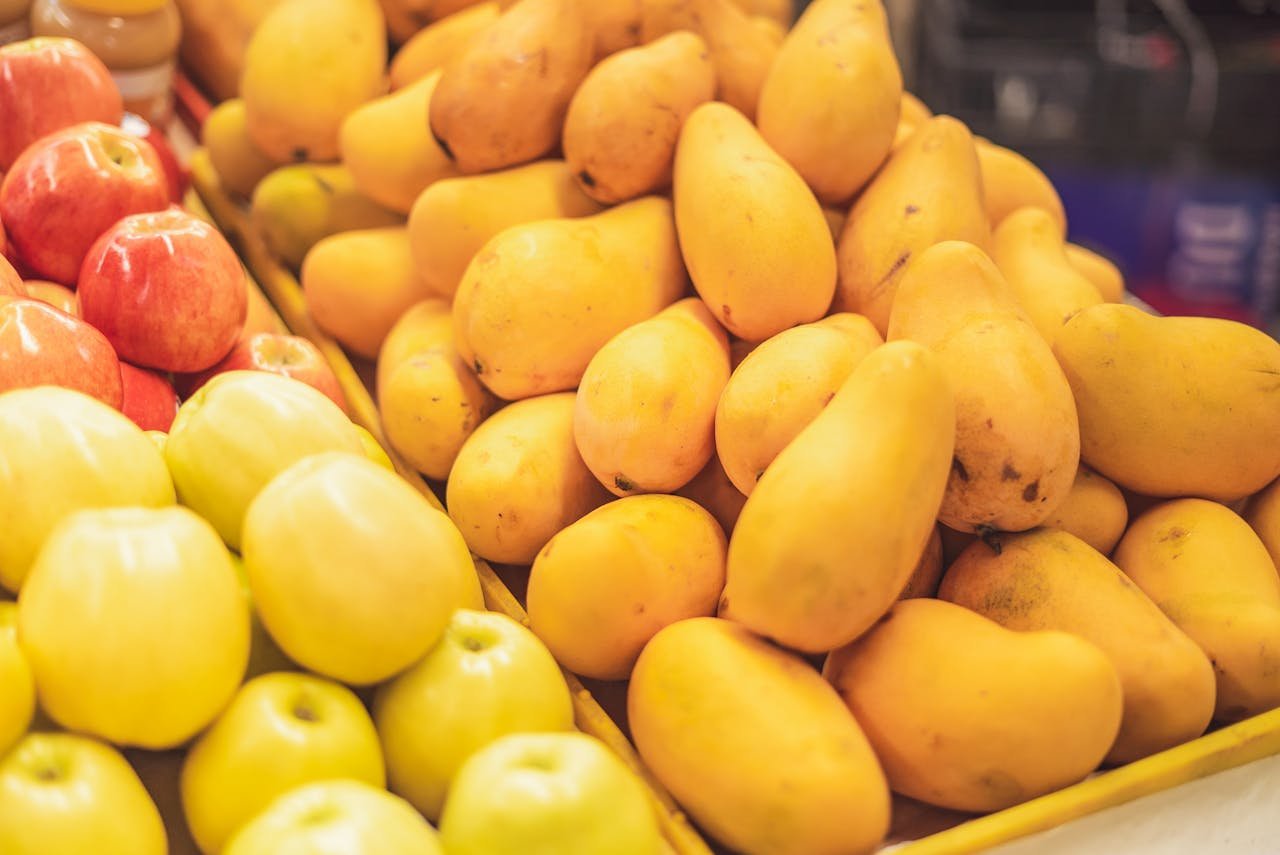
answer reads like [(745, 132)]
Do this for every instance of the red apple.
[(166, 289), (58, 296), (43, 346), (71, 186), (47, 84), (149, 398), (290, 355), (139, 127)]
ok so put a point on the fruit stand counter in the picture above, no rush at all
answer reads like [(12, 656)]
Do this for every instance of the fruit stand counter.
[(917, 829)]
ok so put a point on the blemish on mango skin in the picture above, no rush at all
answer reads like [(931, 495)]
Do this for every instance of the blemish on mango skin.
[(958, 468), (1008, 473), (1031, 492), (1175, 533), (622, 482)]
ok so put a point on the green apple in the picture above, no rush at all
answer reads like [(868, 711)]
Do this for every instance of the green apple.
[(134, 625), (548, 794), (17, 687), (353, 572), (63, 794), (488, 676), (337, 818), (62, 451), (280, 731), (240, 430)]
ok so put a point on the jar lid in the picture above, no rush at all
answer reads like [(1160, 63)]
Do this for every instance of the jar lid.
[(122, 8)]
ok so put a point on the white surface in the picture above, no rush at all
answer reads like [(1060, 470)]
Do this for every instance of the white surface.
[(1236, 812)]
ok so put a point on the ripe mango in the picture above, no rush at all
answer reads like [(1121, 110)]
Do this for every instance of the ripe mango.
[(646, 407), (781, 386), (1208, 571), (519, 479), (831, 102), (406, 18), (1174, 406), (453, 218), (712, 489), (239, 163), (912, 113), (777, 11), (924, 579), (435, 45), (309, 64), (1028, 248), (1049, 579), (602, 587), (790, 775), (502, 100), (1094, 511), (753, 235), (540, 299), (1017, 441), (621, 129), (423, 326), (386, 146), (295, 207), (968, 715), (832, 532), (929, 191), (1010, 182), (1099, 270), (1263, 516), (358, 284)]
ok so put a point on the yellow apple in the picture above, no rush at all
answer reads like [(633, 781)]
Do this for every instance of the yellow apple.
[(240, 430), (63, 794), (280, 731), (17, 688), (353, 572), (134, 625), (548, 794), (62, 451), (488, 676), (337, 818)]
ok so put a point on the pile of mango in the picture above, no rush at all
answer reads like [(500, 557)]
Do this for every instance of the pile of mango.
[(793, 398)]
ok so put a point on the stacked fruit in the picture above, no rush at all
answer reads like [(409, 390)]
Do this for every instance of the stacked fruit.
[(594, 421)]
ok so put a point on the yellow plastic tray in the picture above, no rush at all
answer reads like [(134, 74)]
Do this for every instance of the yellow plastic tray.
[(916, 827)]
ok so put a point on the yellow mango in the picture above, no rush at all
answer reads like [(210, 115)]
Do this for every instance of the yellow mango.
[(911, 115), (712, 489), (388, 149), (423, 326), (239, 163), (741, 51), (646, 409), (621, 130), (929, 191), (602, 587), (406, 18), (774, 30), (1263, 516), (781, 386), (968, 715), (1010, 182), (358, 284), (831, 102), (1174, 406), (752, 233), (502, 100), (832, 532), (309, 64), (438, 43), (1028, 248), (1099, 270), (539, 300), (1094, 511), (1017, 441), (519, 479), (776, 11), (924, 579), (754, 745), (1208, 571), (1049, 579), (616, 25)]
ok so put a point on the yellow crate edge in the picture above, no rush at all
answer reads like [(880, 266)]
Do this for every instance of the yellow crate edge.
[(285, 294)]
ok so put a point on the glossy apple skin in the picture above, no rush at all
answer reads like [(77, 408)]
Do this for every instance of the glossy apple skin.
[(47, 84), (148, 398), (144, 130), (288, 355), (71, 186), (166, 289), (58, 296), (43, 346)]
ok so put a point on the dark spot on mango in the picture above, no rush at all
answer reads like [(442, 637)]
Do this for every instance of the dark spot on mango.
[(1031, 492), (990, 535), (912, 209), (958, 467), (990, 423), (585, 177), (444, 146), (300, 154), (1175, 533), (478, 366), (623, 483), (1008, 473)]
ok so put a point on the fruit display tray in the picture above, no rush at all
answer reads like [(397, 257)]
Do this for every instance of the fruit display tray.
[(917, 829)]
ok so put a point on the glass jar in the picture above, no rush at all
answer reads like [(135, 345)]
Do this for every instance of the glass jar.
[(136, 39), (15, 20)]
